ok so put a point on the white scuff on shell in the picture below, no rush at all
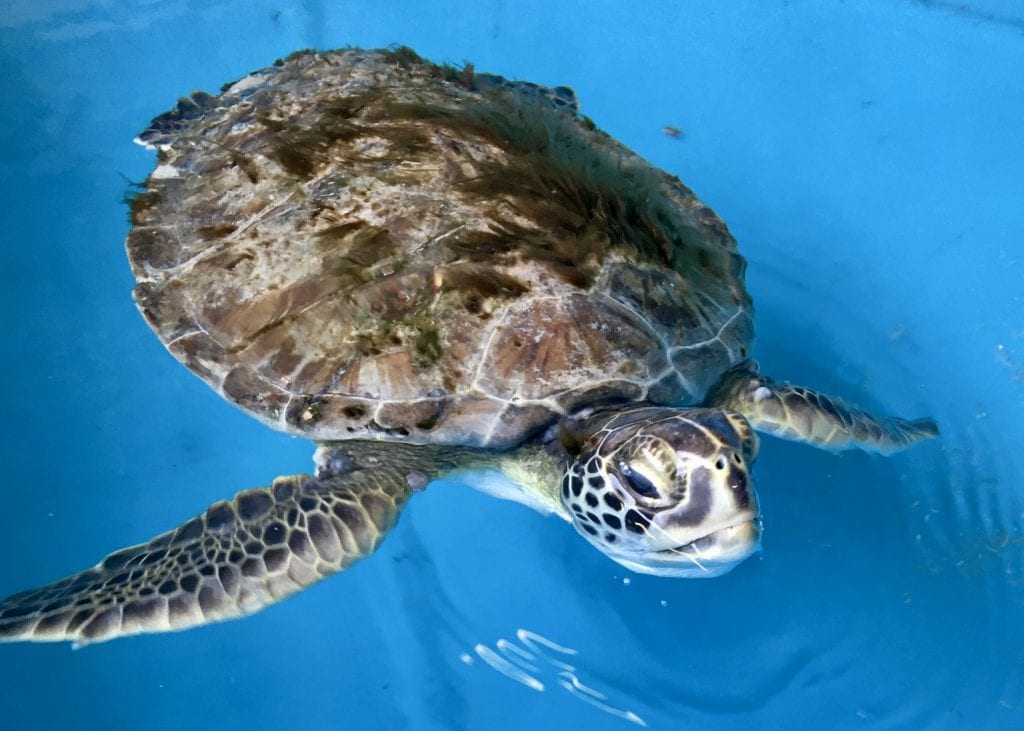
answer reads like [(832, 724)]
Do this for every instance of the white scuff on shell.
[(245, 83), (163, 172), (150, 146)]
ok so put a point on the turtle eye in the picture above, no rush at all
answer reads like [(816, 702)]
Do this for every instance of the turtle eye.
[(638, 482)]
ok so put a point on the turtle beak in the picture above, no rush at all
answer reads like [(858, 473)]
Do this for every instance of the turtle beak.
[(711, 555)]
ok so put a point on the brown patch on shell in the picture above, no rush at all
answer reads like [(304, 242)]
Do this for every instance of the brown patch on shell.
[(151, 248), (145, 207), (246, 388), (552, 345), (479, 280)]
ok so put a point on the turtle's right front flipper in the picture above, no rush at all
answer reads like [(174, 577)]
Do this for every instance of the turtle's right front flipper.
[(237, 558), (803, 415)]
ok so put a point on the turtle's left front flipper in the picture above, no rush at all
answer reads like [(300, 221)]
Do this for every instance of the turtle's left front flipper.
[(796, 413), (238, 557)]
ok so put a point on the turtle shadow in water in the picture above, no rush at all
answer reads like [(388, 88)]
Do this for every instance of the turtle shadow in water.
[(426, 624)]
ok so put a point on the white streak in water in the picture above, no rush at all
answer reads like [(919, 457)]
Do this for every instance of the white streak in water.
[(571, 678), (528, 638), (517, 655), (591, 696), (506, 668)]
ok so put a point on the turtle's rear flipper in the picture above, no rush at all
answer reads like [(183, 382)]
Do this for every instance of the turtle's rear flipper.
[(796, 413), (235, 559)]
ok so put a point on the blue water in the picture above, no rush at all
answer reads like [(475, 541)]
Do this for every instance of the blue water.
[(869, 157)]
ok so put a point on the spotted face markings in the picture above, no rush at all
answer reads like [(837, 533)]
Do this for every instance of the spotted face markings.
[(612, 501), (596, 507)]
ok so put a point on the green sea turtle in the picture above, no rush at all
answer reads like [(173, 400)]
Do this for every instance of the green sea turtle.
[(426, 271)]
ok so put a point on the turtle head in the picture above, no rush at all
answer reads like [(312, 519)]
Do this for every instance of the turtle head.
[(666, 491)]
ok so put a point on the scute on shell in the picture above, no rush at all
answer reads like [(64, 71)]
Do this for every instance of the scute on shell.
[(361, 244)]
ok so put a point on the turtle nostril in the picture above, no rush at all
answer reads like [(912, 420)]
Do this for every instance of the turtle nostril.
[(720, 463)]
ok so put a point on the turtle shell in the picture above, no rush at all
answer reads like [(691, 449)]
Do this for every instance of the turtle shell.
[(362, 244)]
